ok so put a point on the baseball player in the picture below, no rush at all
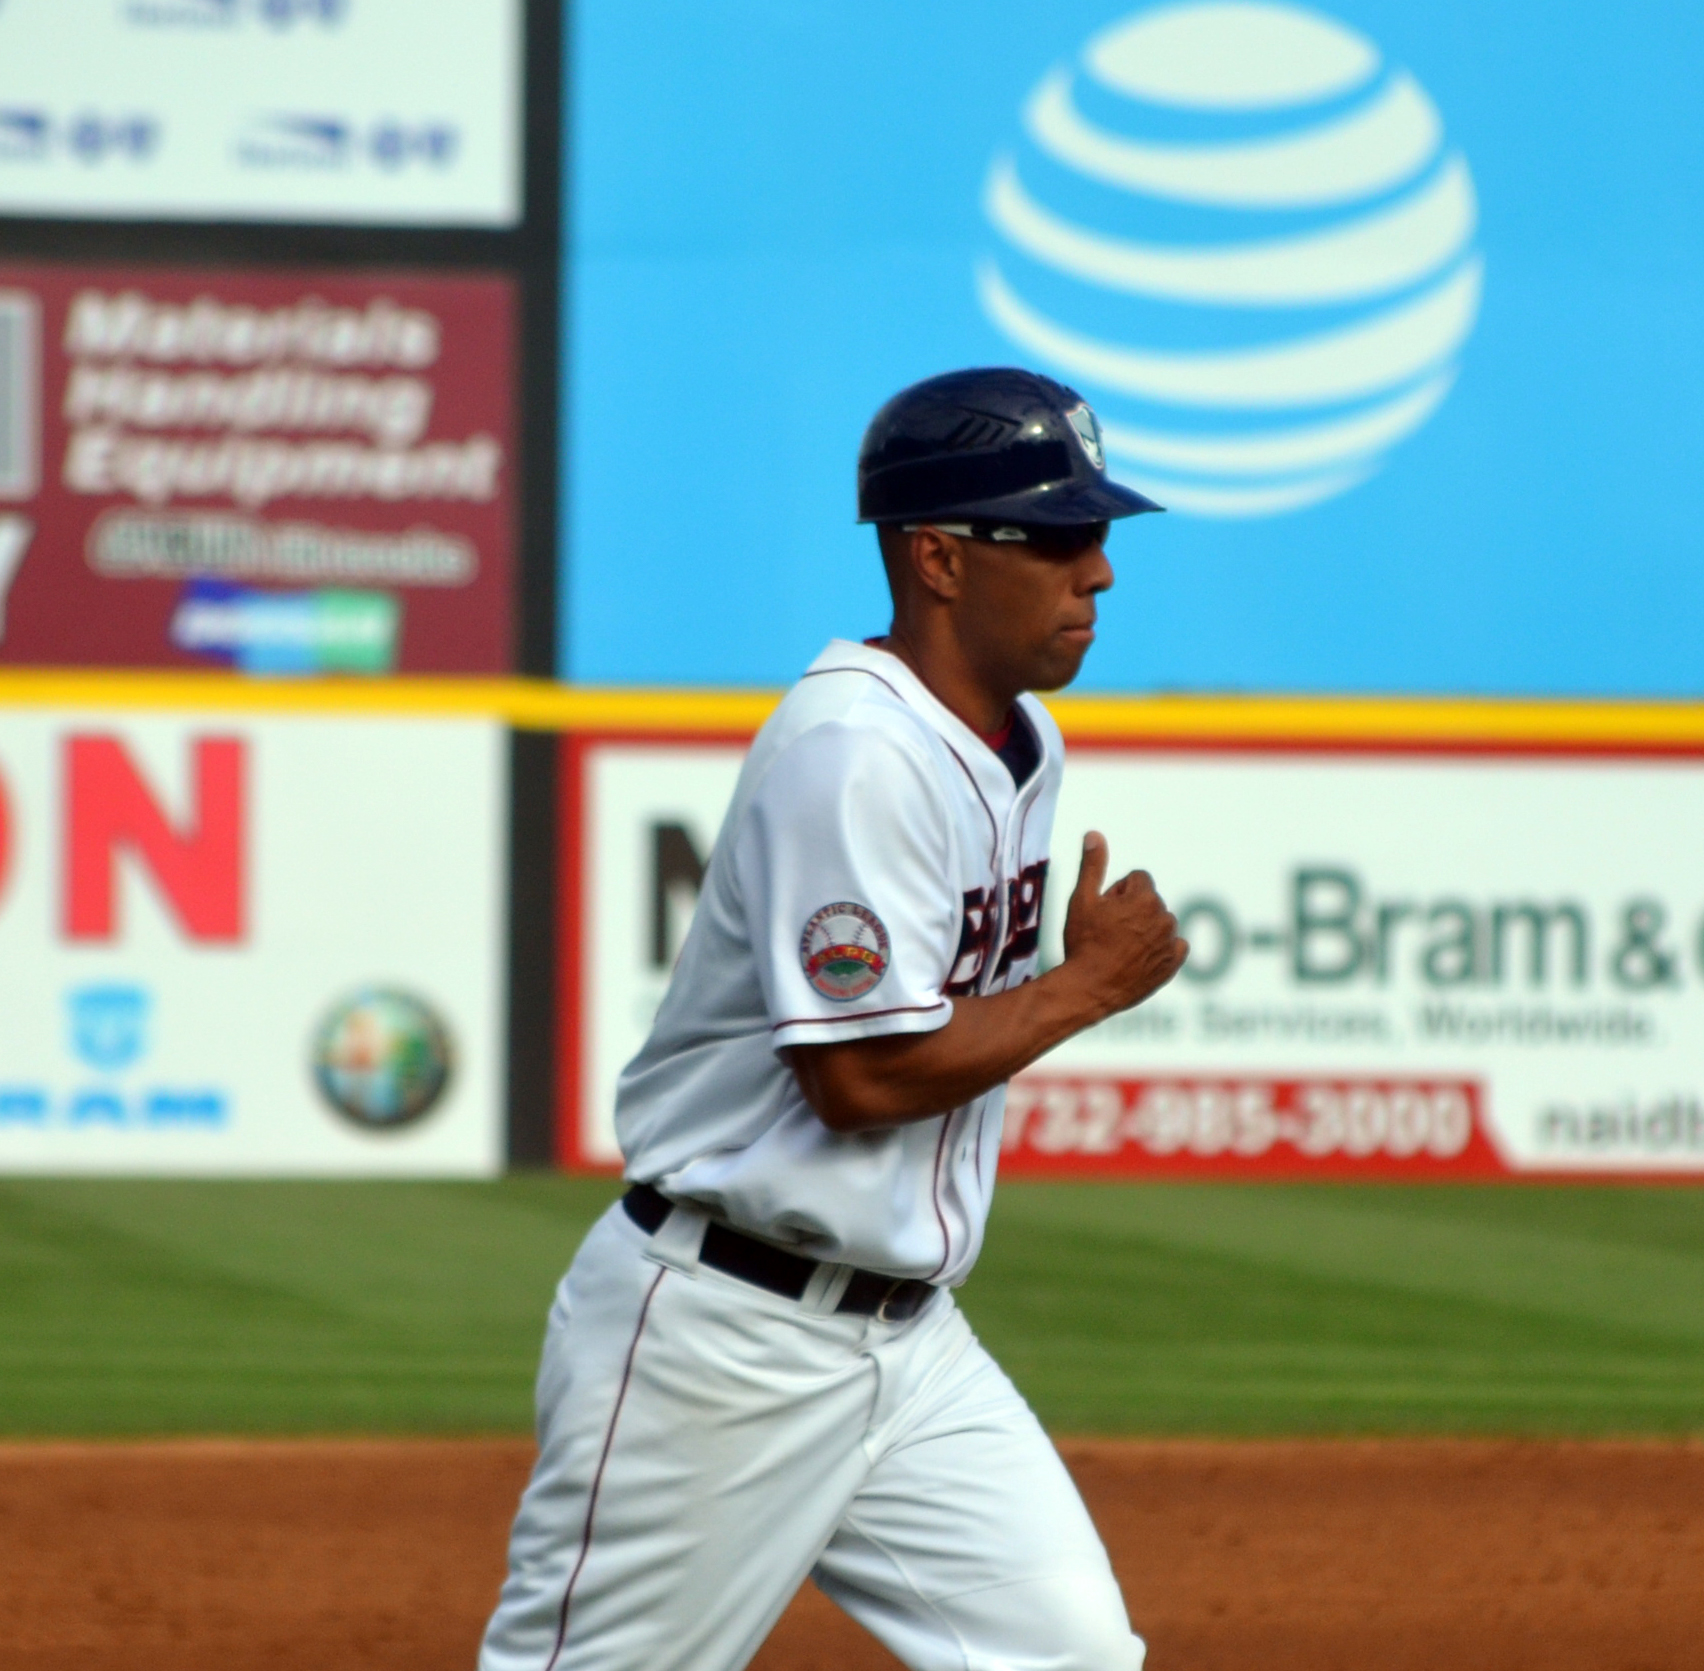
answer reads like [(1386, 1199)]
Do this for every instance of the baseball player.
[(754, 1370)]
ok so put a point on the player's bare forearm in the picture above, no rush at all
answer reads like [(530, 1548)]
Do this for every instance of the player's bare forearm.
[(910, 1076), (1121, 945)]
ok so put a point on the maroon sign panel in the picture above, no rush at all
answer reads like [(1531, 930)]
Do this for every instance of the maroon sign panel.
[(273, 471)]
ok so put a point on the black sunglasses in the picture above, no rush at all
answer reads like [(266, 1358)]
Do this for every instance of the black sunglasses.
[(1045, 539)]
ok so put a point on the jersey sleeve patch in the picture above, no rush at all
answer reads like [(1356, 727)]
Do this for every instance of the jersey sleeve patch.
[(844, 950)]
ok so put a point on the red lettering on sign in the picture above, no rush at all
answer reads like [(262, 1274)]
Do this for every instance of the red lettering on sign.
[(198, 870)]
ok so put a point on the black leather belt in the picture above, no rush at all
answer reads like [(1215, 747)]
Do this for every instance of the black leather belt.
[(893, 1299)]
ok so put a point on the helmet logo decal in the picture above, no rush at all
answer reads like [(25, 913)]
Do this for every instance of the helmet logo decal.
[(1087, 430), (1247, 369)]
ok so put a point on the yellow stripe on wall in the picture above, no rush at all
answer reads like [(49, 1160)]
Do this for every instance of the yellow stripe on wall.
[(543, 705), (529, 704), (1488, 721)]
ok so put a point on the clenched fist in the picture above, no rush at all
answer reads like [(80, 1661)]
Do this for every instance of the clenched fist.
[(1122, 944)]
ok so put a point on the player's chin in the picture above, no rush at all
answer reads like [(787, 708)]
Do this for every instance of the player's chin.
[(1062, 660)]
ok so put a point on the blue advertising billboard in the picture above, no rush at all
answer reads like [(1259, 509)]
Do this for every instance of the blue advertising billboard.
[(1393, 305)]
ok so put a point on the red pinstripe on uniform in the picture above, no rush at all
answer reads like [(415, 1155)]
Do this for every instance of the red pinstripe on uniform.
[(597, 1478)]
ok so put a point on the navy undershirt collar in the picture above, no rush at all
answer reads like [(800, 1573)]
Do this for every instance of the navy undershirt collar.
[(1017, 747)]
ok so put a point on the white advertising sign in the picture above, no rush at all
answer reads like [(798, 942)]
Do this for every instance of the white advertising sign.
[(251, 945), (649, 816), (381, 112), (1402, 965)]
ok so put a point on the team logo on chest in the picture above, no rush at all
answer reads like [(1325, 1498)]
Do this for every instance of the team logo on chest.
[(844, 950), (977, 926)]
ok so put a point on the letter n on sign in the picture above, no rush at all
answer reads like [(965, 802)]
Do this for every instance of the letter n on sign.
[(198, 869)]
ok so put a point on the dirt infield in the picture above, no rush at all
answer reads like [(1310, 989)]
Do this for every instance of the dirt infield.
[(1289, 1557)]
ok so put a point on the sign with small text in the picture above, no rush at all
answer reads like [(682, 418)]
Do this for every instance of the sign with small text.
[(1406, 965), (270, 471), (371, 111)]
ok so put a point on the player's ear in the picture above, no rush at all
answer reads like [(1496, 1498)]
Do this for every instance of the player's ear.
[(938, 561)]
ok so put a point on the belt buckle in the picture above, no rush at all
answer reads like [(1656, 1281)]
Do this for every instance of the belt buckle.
[(893, 1289)]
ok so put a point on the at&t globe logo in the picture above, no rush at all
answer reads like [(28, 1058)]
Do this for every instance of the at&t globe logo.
[(1242, 234), (382, 1059)]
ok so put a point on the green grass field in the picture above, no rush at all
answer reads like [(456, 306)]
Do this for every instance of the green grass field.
[(170, 1307)]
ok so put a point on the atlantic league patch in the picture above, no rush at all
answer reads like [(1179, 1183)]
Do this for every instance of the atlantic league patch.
[(844, 950)]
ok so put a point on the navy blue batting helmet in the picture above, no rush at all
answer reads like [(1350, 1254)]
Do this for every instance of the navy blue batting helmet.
[(991, 445)]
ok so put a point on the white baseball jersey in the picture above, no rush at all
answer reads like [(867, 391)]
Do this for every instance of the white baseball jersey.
[(878, 860)]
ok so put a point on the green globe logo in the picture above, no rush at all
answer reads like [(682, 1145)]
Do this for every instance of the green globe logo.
[(382, 1059)]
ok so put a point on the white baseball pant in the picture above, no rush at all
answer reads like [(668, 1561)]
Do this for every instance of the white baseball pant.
[(704, 1446)]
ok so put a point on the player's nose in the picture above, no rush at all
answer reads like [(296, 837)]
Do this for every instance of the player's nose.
[(1093, 571)]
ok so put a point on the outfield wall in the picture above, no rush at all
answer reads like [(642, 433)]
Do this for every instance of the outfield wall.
[(266, 926)]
